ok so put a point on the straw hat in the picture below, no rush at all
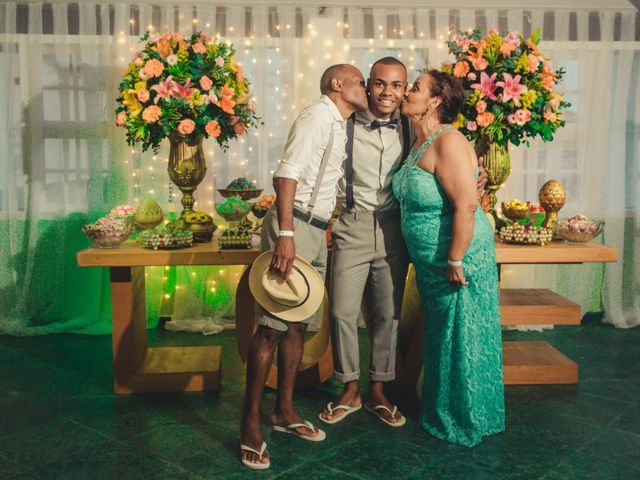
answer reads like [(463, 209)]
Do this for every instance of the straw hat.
[(293, 300)]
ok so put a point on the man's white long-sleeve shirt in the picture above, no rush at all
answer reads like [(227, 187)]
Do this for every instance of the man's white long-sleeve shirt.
[(306, 143)]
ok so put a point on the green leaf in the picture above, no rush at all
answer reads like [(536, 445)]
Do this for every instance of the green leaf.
[(535, 37)]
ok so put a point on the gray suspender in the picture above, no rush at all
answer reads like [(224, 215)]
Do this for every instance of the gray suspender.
[(406, 147), (323, 167)]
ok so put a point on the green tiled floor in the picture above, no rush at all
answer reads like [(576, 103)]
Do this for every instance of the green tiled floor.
[(59, 419)]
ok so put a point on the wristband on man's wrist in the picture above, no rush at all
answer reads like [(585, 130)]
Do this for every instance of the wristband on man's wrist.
[(285, 233), (454, 263)]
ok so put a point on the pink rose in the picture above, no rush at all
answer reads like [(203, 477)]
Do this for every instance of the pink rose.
[(480, 63), (481, 106), (138, 62), (199, 48), (143, 95), (233, 120), (472, 126), (151, 114), (213, 129), (512, 119), (252, 107), (219, 61), (186, 126), (206, 83), (213, 98), (522, 116), (239, 128), (121, 119), (554, 103), (143, 75), (172, 60), (472, 77)]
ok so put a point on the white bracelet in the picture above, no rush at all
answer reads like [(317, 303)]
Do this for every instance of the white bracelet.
[(454, 263), (285, 233)]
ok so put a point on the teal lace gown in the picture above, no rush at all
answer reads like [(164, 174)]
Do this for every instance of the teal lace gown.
[(463, 392)]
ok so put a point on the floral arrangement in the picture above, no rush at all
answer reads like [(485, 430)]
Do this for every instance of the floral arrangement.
[(508, 85), (232, 207), (262, 205), (184, 88)]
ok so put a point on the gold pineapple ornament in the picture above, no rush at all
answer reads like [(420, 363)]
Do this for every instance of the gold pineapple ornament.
[(552, 197)]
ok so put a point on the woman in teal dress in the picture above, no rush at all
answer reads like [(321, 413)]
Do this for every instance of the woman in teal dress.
[(450, 242)]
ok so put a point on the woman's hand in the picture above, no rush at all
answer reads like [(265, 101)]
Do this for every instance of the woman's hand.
[(455, 275)]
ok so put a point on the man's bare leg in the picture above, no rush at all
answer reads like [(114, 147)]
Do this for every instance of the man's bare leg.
[(261, 349), (290, 352)]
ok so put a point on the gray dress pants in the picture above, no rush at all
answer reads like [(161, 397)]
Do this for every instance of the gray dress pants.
[(370, 260)]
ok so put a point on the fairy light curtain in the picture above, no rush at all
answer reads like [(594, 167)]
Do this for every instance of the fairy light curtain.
[(65, 163)]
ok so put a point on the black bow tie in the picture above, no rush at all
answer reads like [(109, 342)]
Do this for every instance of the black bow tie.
[(377, 124)]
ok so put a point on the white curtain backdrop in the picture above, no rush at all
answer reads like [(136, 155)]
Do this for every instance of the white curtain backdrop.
[(61, 155)]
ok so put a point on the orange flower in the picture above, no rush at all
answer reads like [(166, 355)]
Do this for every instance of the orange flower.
[(547, 82), (151, 114), (227, 91), (461, 69), (533, 47), (164, 46), (239, 128), (121, 119), (549, 116), (199, 48), (213, 129), (480, 63), (485, 118), (239, 76), (507, 48), (153, 68), (226, 104)]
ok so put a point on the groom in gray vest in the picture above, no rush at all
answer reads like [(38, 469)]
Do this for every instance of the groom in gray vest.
[(369, 257)]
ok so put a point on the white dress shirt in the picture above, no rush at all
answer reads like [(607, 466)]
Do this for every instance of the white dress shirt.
[(377, 155), (306, 143)]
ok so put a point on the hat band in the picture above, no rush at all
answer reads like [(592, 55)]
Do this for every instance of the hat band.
[(305, 298)]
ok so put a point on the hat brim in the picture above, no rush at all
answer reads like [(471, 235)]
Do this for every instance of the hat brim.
[(290, 314)]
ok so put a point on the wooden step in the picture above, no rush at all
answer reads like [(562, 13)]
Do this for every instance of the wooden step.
[(536, 306), (534, 363)]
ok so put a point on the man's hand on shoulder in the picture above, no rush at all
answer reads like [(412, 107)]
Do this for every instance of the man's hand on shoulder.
[(283, 255)]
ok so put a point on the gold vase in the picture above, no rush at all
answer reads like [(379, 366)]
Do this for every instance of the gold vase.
[(552, 197), (186, 169), (498, 166)]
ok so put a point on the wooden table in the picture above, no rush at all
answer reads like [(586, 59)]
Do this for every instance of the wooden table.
[(138, 368), (539, 362)]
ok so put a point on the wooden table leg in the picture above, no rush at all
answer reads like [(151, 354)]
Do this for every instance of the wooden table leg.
[(140, 369)]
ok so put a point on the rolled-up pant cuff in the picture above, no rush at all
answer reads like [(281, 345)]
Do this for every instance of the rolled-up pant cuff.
[(382, 376), (347, 377)]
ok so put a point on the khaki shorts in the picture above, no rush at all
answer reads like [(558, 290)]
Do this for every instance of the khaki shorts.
[(310, 244)]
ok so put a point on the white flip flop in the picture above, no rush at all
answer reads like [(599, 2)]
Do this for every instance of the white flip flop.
[(292, 430), (255, 465), (348, 410), (375, 411)]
